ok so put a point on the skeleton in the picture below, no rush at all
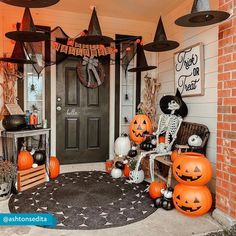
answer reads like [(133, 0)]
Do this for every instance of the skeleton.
[(169, 125)]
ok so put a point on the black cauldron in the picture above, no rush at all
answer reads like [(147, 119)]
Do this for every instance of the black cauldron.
[(39, 157), (14, 122)]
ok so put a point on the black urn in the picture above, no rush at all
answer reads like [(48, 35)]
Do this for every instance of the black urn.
[(14, 122), (39, 157)]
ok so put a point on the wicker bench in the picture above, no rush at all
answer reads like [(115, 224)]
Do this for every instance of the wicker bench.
[(186, 130)]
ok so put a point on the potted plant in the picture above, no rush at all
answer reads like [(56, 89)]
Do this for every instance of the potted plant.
[(7, 175)]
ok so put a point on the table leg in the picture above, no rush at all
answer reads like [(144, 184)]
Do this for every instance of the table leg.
[(47, 156)]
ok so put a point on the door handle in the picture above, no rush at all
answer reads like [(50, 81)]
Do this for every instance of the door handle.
[(58, 108)]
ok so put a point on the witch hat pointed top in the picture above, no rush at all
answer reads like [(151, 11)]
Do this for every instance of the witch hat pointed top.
[(30, 3), (160, 43), (18, 55), (94, 35), (143, 66), (160, 32), (201, 15), (27, 32)]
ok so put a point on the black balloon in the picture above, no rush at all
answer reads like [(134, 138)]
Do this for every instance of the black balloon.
[(39, 157), (132, 153), (158, 202), (119, 165), (167, 204)]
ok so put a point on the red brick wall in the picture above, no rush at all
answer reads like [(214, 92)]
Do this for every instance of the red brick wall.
[(226, 124)]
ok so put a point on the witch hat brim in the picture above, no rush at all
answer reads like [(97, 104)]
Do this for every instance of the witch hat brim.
[(18, 56), (201, 15), (31, 4), (202, 18), (143, 66), (161, 43), (182, 111), (27, 32), (94, 35)]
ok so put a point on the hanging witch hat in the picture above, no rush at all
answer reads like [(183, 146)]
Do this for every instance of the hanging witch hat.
[(167, 101), (143, 66), (160, 43), (30, 3), (18, 55), (201, 15), (94, 35), (27, 32)]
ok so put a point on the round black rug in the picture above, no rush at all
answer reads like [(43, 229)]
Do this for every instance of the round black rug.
[(86, 200)]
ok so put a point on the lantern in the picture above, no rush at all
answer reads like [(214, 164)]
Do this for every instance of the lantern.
[(122, 145), (192, 200), (140, 125), (25, 160), (54, 167), (192, 169)]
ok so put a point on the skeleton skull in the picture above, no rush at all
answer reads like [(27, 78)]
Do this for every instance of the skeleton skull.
[(173, 105)]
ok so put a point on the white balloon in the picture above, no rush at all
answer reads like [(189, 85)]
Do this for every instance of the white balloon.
[(116, 173)]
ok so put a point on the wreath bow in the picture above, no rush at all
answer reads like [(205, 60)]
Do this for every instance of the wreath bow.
[(91, 64)]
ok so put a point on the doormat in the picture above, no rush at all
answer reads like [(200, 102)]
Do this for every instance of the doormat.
[(86, 200)]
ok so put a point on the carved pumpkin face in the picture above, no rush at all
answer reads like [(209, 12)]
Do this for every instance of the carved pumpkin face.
[(192, 169), (192, 200), (140, 125)]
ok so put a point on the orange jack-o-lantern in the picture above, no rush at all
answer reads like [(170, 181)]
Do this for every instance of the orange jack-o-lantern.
[(192, 200), (192, 169), (140, 125), (174, 155)]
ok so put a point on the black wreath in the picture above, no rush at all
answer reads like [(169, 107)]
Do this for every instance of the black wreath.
[(83, 75)]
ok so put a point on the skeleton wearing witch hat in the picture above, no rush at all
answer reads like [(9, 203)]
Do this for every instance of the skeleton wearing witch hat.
[(174, 109)]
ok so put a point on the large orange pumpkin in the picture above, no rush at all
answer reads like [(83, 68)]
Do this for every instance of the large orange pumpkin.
[(25, 160), (54, 167), (139, 125), (192, 200), (192, 169), (155, 189)]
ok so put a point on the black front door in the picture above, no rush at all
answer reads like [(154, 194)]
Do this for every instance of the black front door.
[(82, 116)]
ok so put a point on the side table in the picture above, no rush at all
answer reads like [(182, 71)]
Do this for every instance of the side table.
[(15, 135)]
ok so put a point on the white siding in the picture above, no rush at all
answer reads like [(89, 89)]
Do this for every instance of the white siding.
[(202, 109)]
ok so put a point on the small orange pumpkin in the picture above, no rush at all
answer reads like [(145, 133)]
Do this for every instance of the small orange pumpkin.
[(192, 169), (126, 171), (192, 200), (139, 125), (155, 189), (54, 167), (25, 160)]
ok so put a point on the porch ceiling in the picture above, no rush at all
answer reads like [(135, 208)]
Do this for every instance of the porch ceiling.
[(129, 9)]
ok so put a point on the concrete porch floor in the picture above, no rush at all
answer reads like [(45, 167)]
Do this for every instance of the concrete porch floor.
[(161, 222)]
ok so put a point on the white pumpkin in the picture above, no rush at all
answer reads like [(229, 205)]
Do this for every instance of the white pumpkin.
[(137, 176), (116, 173), (122, 145), (194, 140)]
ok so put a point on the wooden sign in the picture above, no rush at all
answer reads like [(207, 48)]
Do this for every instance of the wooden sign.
[(189, 71)]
